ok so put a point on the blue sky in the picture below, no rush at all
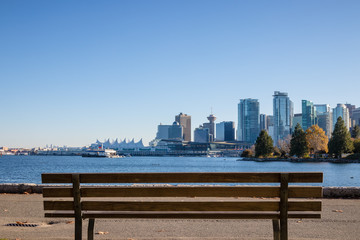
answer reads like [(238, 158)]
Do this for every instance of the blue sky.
[(72, 72)]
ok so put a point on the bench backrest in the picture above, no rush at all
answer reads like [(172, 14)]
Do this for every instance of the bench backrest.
[(279, 194)]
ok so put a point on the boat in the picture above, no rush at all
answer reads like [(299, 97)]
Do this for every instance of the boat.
[(101, 153)]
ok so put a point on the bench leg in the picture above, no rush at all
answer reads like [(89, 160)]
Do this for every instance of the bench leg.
[(78, 228), (276, 229), (283, 229), (91, 229)]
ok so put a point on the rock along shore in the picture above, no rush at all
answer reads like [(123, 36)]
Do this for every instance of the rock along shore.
[(328, 192), (330, 160)]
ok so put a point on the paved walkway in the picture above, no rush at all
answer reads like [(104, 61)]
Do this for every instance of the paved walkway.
[(340, 220)]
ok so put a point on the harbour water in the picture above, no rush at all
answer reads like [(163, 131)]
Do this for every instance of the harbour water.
[(28, 169)]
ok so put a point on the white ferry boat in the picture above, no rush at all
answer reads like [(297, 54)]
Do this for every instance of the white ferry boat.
[(108, 153)]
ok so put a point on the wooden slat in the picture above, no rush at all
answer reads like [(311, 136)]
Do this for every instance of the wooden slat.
[(184, 206), (306, 177), (56, 178), (305, 192), (179, 191), (60, 214), (197, 177), (258, 177), (58, 205), (199, 206), (57, 192), (196, 215), (246, 191), (181, 206), (304, 205)]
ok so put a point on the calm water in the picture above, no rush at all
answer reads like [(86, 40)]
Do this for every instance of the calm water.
[(28, 169)]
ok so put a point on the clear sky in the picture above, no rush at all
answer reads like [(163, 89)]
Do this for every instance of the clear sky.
[(72, 72)]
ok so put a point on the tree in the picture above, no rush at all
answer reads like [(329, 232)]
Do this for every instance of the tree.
[(284, 146), (357, 145), (264, 145), (317, 140), (298, 143), (277, 152), (340, 141), (247, 153), (355, 133)]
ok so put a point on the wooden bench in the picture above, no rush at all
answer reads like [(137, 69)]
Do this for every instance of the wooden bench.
[(180, 201)]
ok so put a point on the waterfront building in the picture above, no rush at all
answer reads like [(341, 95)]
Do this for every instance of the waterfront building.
[(107, 144), (341, 111), (324, 118), (297, 119), (248, 120), (174, 131), (322, 108), (283, 114), (185, 121), (163, 132), (308, 114), (211, 126), (225, 131), (270, 125), (351, 109), (356, 116), (202, 135), (263, 122)]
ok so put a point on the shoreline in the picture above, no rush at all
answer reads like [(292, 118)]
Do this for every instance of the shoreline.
[(300, 160), (30, 188)]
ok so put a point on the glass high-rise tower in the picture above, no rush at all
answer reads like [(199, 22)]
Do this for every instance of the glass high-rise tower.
[(248, 120), (185, 121), (324, 118), (341, 111), (308, 114), (283, 113)]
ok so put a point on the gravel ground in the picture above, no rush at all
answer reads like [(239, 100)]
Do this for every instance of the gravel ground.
[(340, 220)]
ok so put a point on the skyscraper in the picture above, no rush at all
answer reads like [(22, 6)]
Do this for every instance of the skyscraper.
[(225, 131), (324, 119), (341, 111), (270, 125), (163, 131), (283, 113), (211, 126), (202, 135), (174, 131), (351, 109), (308, 114), (185, 121), (296, 119), (263, 122), (356, 116), (248, 120)]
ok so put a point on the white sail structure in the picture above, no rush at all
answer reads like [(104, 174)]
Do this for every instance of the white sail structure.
[(118, 144)]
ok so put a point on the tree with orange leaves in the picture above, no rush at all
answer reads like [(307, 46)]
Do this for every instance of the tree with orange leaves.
[(317, 140)]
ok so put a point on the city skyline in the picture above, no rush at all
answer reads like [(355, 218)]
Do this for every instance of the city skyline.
[(75, 72)]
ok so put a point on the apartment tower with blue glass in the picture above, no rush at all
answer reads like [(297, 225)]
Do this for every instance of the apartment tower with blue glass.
[(324, 118), (283, 113), (341, 111), (308, 114), (248, 120)]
